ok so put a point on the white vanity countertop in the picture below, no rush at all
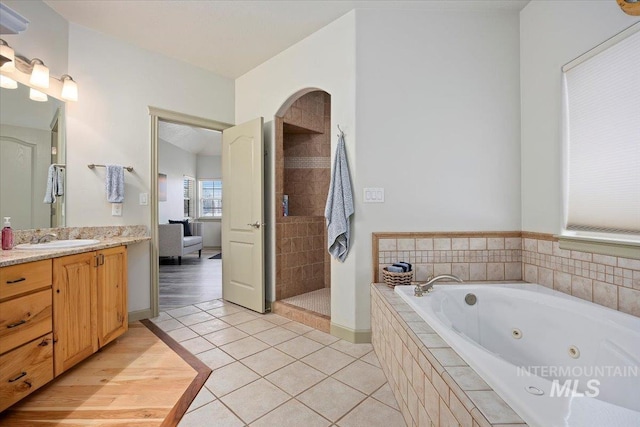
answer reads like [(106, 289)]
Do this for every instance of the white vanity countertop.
[(17, 256)]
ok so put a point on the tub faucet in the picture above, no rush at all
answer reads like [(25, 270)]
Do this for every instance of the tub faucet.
[(428, 286), (44, 238)]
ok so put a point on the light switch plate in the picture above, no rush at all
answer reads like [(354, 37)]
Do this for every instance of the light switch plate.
[(144, 199), (374, 195), (116, 209)]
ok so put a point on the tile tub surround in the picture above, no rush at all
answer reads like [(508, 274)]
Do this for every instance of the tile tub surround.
[(610, 281), (475, 256), (432, 385), (613, 282)]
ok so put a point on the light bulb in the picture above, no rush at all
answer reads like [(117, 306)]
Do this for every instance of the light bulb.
[(8, 83), (39, 74), (36, 95), (69, 89), (7, 52)]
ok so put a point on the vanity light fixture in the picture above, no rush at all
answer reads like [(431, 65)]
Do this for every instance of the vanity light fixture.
[(69, 88), (8, 53), (34, 74), (36, 95), (7, 83), (39, 74)]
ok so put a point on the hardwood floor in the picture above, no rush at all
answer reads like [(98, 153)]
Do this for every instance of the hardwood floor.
[(137, 380), (195, 281)]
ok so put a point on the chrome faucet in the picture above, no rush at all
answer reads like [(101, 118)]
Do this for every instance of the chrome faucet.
[(44, 238), (421, 288)]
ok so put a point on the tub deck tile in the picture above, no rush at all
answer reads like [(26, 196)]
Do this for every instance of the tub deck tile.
[(424, 371), (493, 407), (467, 378)]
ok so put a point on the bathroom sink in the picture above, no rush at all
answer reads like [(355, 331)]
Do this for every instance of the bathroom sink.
[(58, 244)]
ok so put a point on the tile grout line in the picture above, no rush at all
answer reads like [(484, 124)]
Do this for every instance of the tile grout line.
[(269, 345)]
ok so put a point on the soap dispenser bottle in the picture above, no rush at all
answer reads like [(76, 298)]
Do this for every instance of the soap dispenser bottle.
[(7, 235)]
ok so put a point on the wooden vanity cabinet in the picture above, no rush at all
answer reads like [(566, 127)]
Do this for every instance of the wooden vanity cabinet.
[(26, 344), (74, 309), (56, 313), (89, 303), (113, 319)]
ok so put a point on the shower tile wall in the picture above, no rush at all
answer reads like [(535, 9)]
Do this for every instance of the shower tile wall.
[(299, 255), (303, 172), (307, 173)]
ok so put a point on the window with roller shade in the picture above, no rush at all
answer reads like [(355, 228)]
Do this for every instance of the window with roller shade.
[(601, 126)]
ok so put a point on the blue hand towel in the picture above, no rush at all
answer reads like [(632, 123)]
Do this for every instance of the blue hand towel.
[(114, 183), (55, 184), (339, 205)]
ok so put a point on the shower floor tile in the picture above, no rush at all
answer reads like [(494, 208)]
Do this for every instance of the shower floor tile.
[(318, 301)]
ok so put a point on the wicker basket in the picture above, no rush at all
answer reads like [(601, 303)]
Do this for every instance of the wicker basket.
[(395, 279)]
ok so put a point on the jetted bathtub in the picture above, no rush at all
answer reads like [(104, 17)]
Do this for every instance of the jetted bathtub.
[(555, 359)]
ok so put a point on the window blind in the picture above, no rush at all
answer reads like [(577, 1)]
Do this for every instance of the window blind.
[(602, 140)]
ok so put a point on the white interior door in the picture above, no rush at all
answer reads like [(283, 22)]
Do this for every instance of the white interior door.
[(243, 274)]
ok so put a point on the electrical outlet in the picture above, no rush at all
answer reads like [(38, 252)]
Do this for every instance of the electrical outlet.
[(144, 199), (374, 195), (116, 209)]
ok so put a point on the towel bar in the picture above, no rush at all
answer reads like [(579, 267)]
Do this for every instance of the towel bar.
[(91, 166)]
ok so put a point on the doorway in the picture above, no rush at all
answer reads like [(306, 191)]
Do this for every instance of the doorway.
[(165, 122)]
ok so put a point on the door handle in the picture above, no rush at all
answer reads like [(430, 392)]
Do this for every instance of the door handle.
[(255, 224)]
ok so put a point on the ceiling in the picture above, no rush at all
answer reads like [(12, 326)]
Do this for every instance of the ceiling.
[(229, 37), (203, 142)]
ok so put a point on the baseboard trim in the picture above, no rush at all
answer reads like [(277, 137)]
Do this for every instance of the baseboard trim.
[(140, 314), (351, 335)]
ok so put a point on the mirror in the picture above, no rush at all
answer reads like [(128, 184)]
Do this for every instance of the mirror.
[(31, 139)]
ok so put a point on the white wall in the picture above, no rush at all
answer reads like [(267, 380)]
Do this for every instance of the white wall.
[(110, 124), (437, 124), (209, 167), (46, 37), (324, 60), (437, 95), (552, 34), (175, 163)]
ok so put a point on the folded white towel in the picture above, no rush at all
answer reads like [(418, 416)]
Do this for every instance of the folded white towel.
[(114, 183), (339, 205), (55, 184)]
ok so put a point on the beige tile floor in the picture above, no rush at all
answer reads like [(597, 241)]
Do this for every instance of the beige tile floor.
[(269, 371)]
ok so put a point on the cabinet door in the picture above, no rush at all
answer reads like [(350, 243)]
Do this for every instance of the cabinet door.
[(112, 294), (74, 309)]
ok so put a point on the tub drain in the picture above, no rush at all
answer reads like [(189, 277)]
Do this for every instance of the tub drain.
[(516, 333)]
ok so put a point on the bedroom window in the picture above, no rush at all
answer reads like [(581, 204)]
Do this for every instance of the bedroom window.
[(601, 134), (210, 194)]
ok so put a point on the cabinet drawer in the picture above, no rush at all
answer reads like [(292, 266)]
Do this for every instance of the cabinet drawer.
[(20, 278), (25, 370), (24, 319)]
